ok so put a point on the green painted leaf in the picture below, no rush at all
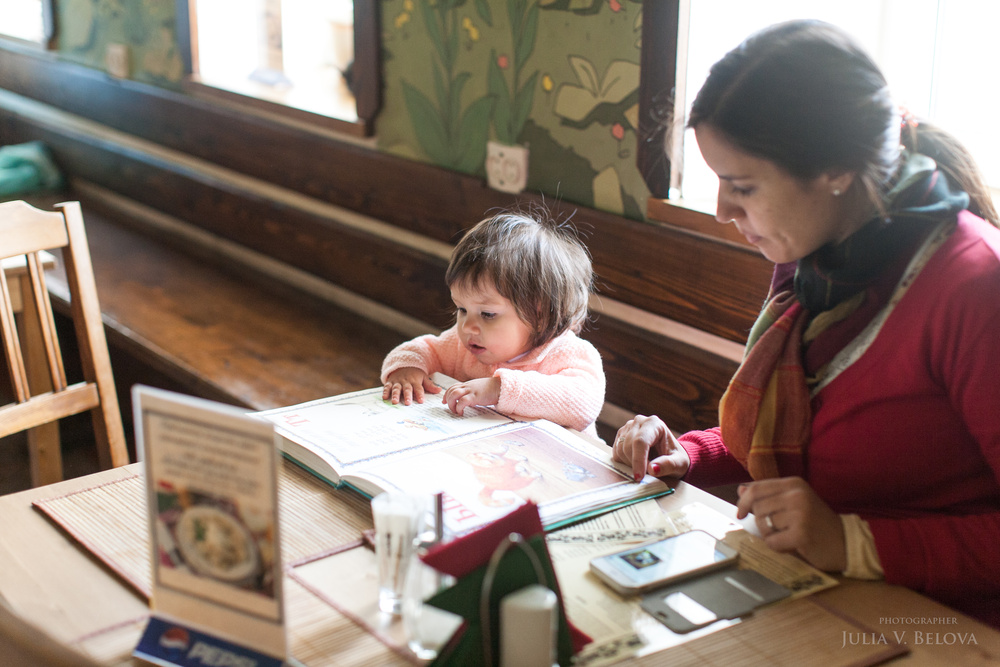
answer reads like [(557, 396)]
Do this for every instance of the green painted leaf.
[(433, 29), (453, 44), (440, 88), (586, 74), (620, 80), (426, 124), (525, 44), (455, 104), (474, 132), (522, 107), (497, 86), (483, 9)]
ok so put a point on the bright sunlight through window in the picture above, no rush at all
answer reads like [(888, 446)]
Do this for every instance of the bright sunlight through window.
[(23, 19), (292, 52), (939, 56)]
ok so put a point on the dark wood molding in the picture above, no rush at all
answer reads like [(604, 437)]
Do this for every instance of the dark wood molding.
[(366, 74), (657, 87), (186, 42)]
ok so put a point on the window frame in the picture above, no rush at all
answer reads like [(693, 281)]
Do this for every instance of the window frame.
[(664, 38), (367, 84)]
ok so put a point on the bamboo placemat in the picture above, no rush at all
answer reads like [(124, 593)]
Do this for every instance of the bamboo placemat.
[(110, 521)]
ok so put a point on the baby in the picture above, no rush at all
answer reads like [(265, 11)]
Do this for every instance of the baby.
[(521, 286)]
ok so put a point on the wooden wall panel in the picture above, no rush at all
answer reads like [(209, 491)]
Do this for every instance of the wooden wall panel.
[(649, 373), (403, 278)]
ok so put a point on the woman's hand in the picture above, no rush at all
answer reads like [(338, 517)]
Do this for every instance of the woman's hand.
[(408, 384), (792, 518), (648, 446), (462, 395)]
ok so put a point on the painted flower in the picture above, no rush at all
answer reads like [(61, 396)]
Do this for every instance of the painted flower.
[(402, 19), (615, 5), (471, 29), (547, 83), (503, 62), (617, 131)]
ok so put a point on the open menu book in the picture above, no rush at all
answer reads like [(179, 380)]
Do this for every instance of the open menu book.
[(484, 463)]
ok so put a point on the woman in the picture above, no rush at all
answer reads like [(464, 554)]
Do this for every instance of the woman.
[(865, 417)]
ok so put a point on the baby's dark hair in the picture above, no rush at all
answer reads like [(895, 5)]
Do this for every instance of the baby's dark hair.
[(538, 264)]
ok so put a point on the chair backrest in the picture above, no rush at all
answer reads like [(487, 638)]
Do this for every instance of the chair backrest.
[(26, 231)]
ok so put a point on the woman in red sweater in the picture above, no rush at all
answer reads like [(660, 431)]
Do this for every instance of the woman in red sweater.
[(865, 417)]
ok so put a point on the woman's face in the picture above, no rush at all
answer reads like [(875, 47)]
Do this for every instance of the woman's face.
[(785, 217)]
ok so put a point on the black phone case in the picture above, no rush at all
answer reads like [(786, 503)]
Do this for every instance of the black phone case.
[(728, 593)]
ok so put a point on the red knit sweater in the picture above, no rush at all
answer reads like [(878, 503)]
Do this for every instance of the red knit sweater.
[(908, 437)]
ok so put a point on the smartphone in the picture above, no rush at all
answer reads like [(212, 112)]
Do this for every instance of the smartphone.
[(656, 564)]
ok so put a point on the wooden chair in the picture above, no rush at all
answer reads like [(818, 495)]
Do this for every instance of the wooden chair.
[(43, 398)]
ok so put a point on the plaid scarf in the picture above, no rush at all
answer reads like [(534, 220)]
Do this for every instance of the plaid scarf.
[(765, 413)]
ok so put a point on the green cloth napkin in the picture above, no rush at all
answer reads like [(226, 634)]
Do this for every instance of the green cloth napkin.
[(27, 168)]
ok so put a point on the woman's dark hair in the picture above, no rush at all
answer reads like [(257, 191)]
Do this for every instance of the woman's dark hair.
[(804, 95), (537, 263)]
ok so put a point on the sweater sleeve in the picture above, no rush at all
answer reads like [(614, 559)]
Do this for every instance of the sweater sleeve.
[(951, 558), (711, 463), (566, 388), (429, 353)]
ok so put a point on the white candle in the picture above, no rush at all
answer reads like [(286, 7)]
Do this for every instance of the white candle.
[(528, 628)]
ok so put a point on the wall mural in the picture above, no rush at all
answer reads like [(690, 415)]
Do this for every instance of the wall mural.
[(148, 28), (560, 77)]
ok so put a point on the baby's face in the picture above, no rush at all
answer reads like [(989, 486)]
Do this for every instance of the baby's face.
[(488, 324)]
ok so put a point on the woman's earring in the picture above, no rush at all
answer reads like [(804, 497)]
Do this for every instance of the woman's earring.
[(836, 193)]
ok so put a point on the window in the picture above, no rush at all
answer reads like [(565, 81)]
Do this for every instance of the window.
[(30, 20), (938, 56), (311, 59)]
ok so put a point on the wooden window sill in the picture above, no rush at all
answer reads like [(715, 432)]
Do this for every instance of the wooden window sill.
[(270, 101), (691, 219)]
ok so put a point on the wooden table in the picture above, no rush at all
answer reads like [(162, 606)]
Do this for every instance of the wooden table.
[(58, 586)]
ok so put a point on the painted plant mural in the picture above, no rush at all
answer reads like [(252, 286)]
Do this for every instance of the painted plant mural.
[(560, 77)]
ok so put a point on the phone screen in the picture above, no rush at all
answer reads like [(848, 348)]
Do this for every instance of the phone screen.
[(664, 560)]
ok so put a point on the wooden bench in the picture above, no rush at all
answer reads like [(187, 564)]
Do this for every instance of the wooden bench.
[(193, 323)]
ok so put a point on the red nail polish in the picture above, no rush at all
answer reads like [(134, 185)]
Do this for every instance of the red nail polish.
[(656, 468)]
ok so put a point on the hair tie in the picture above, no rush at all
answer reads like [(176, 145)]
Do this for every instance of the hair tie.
[(907, 119)]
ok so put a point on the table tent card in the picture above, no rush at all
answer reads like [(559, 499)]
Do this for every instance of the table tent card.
[(212, 493)]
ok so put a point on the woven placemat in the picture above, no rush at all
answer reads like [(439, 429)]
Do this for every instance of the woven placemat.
[(110, 521)]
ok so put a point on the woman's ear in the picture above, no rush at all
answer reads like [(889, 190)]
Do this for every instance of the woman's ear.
[(839, 182)]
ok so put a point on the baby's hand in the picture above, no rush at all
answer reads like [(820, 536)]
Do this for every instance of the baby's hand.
[(408, 384), (461, 395)]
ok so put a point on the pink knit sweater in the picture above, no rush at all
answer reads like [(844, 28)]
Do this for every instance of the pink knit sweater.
[(562, 381)]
